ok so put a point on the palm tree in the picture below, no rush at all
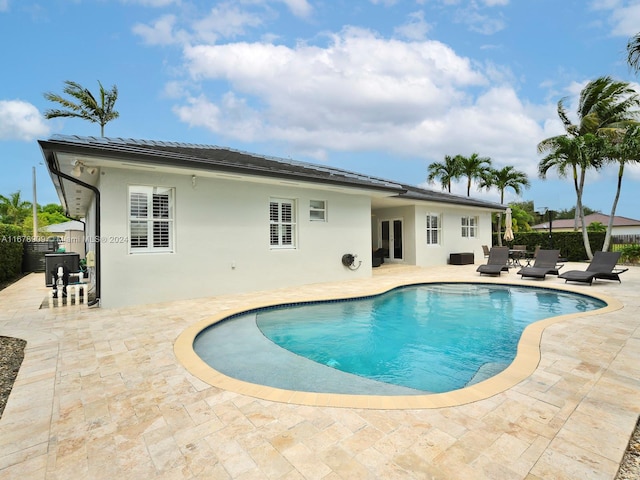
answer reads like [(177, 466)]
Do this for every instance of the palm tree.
[(633, 52), (624, 147), (605, 106), (445, 172), (13, 209), (577, 155), (611, 110), (87, 107), (507, 177), (474, 167), (596, 227)]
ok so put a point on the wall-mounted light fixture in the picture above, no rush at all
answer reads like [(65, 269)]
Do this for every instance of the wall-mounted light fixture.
[(194, 181), (79, 167)]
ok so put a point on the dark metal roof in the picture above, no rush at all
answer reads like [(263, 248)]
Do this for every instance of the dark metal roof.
[(215, 158), (417, 193)]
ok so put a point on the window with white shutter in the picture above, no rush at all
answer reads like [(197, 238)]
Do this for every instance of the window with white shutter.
[(151, 219), (434, 229), (282, 223)]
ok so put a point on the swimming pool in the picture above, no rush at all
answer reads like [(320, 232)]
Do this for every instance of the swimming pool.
[(410, 341)]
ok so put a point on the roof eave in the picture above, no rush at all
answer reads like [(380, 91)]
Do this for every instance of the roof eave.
[(169, 159)]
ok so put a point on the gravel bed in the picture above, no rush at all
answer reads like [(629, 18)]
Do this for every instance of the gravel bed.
[(11, 355), (630, 466)]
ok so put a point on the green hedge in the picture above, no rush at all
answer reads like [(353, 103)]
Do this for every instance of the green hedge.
[(11, 249), (570, 243)]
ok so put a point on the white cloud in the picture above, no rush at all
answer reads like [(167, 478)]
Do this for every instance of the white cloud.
[(626, 20), (494, 3), (415, 28), (357, 77), (20, 121), (480, 23), (300, 8), (606, 4), (624, 15), (472, 4), (363, 93), (153, 3), (161, 32), (175, 89), (225, 20), (386, 3), (632, 171), (4, 5), (472, 13)]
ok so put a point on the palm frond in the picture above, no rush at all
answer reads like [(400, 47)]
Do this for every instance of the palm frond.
[(633, 52), (82, 104)]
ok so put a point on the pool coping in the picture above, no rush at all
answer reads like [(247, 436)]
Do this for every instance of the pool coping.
[(524, 364)]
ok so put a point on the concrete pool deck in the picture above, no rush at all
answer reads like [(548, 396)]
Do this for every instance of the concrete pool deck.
[(101, 394)]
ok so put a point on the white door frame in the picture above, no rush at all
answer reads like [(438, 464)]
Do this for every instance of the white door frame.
[(395, 242)]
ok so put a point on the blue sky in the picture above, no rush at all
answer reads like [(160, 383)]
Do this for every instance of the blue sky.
[(382, 87)]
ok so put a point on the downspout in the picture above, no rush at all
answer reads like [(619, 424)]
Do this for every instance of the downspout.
[(57, 172)]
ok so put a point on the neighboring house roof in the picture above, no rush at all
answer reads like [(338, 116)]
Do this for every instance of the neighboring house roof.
[(219, 159), (589, 219), (64, 226)]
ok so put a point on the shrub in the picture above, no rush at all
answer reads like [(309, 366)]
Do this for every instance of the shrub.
[(11, 248), (570, 244), (630, 253)]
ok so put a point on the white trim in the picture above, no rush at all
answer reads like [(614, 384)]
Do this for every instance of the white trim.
[(153, 214), (320, 212), (282, 224), (469, 229), (430, 229)]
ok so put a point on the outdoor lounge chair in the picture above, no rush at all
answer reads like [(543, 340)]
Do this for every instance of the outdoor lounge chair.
[(497, 262), (546, 263), (602, 266)]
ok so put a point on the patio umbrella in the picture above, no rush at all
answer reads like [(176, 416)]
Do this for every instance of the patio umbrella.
[(508, 232)]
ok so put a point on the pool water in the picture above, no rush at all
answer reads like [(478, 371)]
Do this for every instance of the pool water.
[(431, 338)]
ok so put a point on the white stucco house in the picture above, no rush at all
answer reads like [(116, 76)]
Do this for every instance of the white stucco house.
[(167, 221)]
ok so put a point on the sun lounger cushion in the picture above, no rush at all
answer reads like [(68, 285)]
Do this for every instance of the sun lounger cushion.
[(546, 263), (602, 266), (497, 262)]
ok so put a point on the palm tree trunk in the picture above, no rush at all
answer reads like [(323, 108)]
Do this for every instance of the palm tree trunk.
[(500, 218), (579, 189), (607, 237)]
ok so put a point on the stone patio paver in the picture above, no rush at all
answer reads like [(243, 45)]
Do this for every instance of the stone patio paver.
[(101, 394)]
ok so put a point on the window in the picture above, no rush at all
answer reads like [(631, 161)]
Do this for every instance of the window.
[(282, 223), (469, 227), (434, 229), (150, 219), (318, 211)]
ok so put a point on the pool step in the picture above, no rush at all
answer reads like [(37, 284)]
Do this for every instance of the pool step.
[(487, 370)]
